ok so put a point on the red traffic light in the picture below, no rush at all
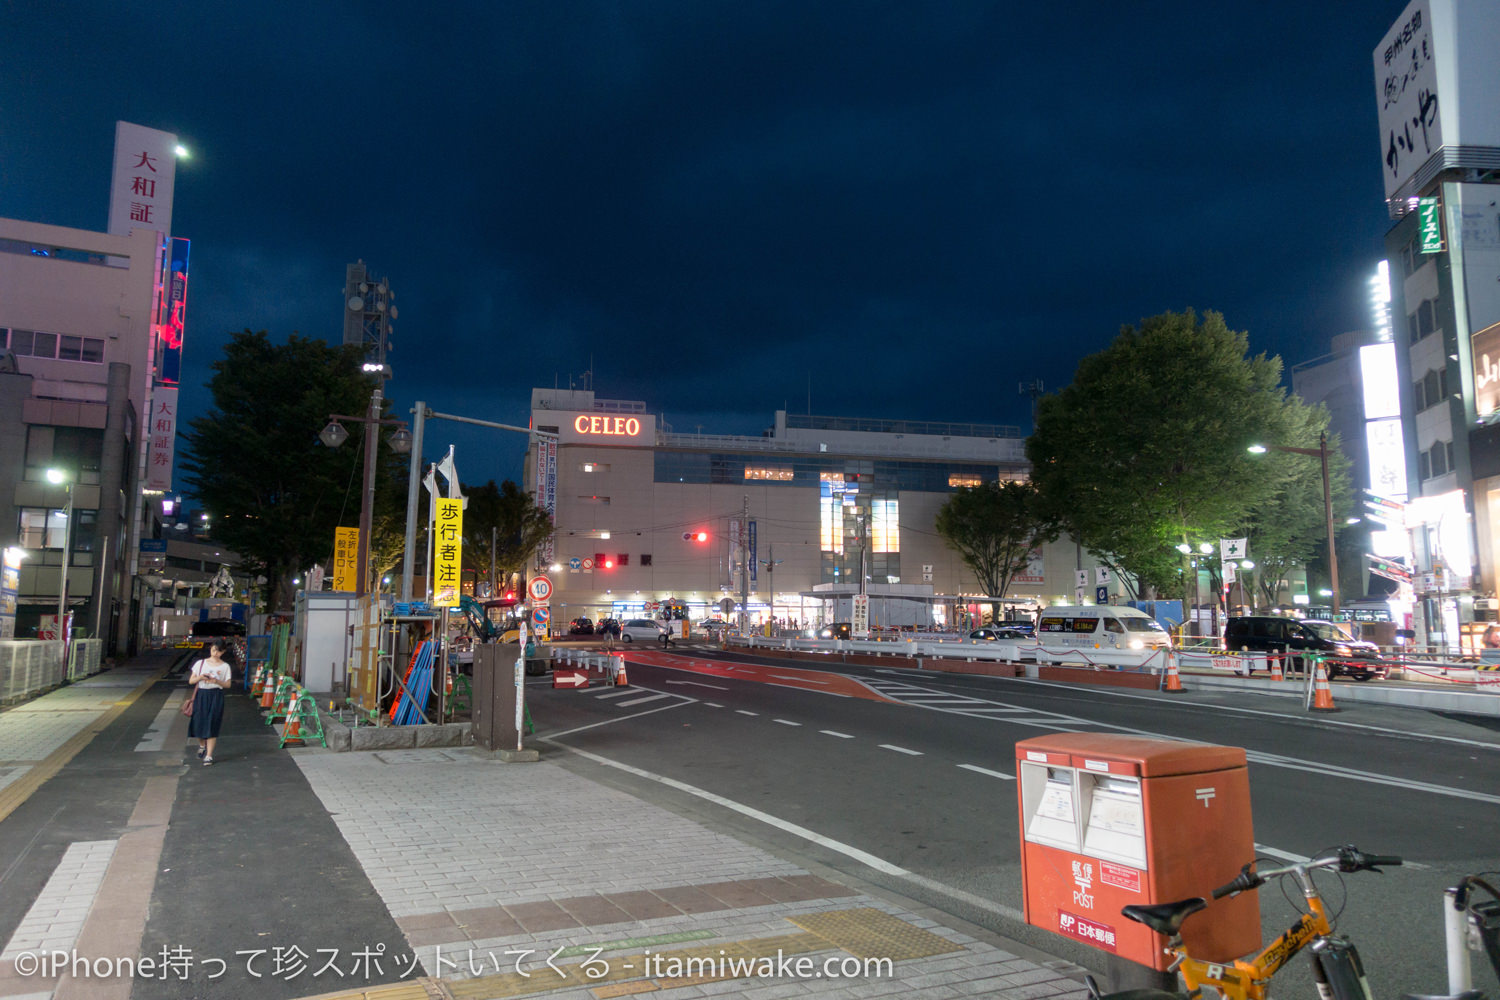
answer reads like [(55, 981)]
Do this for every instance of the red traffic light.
[(700, 536)]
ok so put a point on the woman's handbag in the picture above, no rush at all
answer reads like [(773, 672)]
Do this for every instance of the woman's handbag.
[(187, 706)]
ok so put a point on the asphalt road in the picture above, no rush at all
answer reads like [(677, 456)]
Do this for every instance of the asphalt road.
[(916, 794)]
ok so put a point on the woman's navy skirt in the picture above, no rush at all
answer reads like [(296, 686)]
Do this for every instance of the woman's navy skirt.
[(208, 713)]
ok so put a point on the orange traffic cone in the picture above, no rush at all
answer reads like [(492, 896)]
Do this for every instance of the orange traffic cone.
[(1172, 682), (293, 728), (620, 678), (267, 694), (1276, 674), (1322, 693)]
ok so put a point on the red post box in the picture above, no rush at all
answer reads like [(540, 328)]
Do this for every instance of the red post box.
[(1109, 820)]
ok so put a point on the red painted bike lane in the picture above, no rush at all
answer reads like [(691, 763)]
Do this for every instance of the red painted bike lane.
[(806, 680)]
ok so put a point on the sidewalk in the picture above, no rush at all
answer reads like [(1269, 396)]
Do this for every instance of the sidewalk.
[(411, 873)]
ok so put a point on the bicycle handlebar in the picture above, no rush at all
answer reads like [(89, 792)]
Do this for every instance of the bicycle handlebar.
[(1346, 859)]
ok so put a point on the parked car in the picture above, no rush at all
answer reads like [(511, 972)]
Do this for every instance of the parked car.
[(836, 630), (581, 626), (989, 633), (713, 625), (643, 630), (1100, 626), (1025, 626), (1348, 656)]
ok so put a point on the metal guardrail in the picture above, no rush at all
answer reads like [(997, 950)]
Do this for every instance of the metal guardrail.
[(31, 666)]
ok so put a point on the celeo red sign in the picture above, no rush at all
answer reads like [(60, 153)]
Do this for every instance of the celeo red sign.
[(607, 426)]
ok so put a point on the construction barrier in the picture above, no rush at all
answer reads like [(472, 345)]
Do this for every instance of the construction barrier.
[(281, 704), (303, 723)]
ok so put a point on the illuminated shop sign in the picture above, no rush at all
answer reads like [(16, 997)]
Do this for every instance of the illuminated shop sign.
[(603, 428), (608, 426)]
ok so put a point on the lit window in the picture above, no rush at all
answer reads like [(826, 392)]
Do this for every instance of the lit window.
[(779, 473), (957, 479)]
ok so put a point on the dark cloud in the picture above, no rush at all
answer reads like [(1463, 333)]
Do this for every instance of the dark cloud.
[(723, 209)]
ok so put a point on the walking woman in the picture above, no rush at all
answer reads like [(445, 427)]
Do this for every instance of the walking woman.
[(212, 676)]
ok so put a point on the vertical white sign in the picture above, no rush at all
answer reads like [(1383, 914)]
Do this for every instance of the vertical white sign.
[(163, 438), (860, 624), (1406, 95), (140, 195)]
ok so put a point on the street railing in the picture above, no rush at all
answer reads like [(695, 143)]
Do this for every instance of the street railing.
[(30, 666)]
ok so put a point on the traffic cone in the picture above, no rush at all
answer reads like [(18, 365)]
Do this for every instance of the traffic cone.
[(1322, 693), (1173, 682), (620, 678), (293, 728), (267, 694), (1276, 674)]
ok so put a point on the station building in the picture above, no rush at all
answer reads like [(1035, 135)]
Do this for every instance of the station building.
[(646, 516)]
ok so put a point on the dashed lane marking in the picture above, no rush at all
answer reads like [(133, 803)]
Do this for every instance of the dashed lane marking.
[(892, 746), (786, 722), (984, 770), (830, 732)]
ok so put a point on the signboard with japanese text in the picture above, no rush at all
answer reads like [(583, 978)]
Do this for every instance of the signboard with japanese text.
[(860, 619), (173, 321), (140, 196), (10, 587), (546, 494), (447, 570), (1429, 226), (1035, 568), (1406, 95), (346, 559), (163, 438)]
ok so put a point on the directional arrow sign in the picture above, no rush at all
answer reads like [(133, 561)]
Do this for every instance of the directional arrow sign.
[(570, 678)]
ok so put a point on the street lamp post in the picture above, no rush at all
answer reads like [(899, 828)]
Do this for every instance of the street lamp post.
[(1321, 452), (334, 435), (57, 476)]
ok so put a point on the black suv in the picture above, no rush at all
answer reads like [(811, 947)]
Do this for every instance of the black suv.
[(1271, 634)]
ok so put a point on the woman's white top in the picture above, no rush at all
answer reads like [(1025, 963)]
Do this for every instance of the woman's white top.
[(209, 670)]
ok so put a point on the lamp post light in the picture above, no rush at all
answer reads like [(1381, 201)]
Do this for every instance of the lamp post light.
[(1321, 452), (334, 435), (56, 477)]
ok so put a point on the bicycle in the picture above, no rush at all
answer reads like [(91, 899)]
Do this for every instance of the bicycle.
[(1336, 964), (1469, 924)]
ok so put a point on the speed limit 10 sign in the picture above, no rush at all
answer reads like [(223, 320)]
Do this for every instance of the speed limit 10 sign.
[(540, 589)]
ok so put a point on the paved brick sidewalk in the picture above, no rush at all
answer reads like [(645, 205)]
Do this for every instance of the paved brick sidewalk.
[(492, 869)]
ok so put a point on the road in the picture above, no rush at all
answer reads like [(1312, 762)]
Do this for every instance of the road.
[(904, 779)]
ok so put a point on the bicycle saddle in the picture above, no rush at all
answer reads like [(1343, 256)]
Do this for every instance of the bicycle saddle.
[(1165, 918)]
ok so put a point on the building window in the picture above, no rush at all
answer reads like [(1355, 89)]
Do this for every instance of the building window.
[(36, 344), (592, 467), (1437, 461), (778, 473), (1432, 389), (964, 479), (885, 526), (42, 528), (75, 449), (594, 499), (832, 491)]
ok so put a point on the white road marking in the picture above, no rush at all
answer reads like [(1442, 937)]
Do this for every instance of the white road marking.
[(641, 701), (863, 857), (912, 753), (787, 722), (694, 683), (985, 770), (830, 732), (1295, 859), (713, 704), (741, 711), (682, 700), (780, 677), (606, 693)]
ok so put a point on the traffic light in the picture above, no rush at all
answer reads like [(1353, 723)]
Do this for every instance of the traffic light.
[(695, 536)]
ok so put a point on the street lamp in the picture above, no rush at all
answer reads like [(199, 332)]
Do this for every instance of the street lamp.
[(1321, 451), (59, 477), (334, 435)]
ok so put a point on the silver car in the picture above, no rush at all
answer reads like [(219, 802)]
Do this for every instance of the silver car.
[(643, 630)]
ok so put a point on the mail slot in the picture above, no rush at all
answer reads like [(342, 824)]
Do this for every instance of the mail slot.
[(1108, 820)]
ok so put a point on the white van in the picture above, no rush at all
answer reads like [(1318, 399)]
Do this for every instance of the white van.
[(1100, 626)]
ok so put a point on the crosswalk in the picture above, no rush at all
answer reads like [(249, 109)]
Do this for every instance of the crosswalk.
[(978, 708)]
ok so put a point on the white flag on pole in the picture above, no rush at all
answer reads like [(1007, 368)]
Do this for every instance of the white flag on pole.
[(1233, 548)]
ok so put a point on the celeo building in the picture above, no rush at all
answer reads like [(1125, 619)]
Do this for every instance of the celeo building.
[(782, 525)]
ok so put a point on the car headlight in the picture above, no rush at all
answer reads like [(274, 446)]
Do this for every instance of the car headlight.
[(1343, 650), (1137, 644)]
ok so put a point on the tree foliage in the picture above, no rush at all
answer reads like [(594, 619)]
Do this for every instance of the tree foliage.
[(508, 515), (994, 527), (1146, 449), (275, 493)]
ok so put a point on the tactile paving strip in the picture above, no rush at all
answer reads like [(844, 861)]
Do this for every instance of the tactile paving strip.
[(870, 933)]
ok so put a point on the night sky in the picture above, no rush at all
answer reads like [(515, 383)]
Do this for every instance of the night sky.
[(722, 209)]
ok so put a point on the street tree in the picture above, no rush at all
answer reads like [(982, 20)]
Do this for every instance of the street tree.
[(254, 461), (994, 527), (1146, 449), (508, 518)]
